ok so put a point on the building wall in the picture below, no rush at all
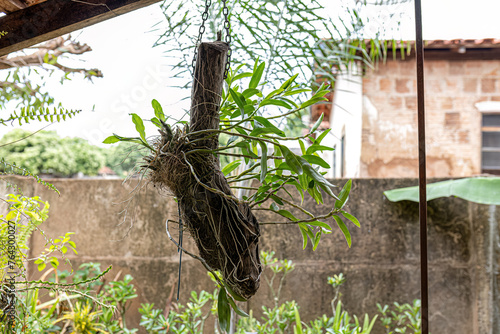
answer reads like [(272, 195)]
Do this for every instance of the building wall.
[(452, 88), (382, 266), (345, 121)]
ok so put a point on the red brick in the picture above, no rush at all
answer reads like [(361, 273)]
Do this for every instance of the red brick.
[(446, 103), (402, 85), (396, 102), (411, 102), (488, 85), (385, 85), (452, 120), (456, 68), (470, 85)]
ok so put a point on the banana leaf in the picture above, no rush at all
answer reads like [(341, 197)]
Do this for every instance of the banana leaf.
[(482, 190)]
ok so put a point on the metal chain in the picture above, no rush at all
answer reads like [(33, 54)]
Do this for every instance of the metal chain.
[(227, 27), (227, 39), (204, 18)]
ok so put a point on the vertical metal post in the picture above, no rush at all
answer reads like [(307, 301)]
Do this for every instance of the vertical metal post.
[(422, 176)]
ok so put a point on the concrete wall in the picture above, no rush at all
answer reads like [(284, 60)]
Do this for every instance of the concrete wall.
[(381, 266), (453, 88)]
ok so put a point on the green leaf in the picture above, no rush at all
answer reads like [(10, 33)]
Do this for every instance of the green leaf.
[(236, 309), (291, 160), (314, 148), (298, 324), (268, 125), (344, 230), (317, 238), (321, 136), (223, 310), (230, 167), (242, 75), (275, 102), (156, 122), (286, 214), (312, 101), (158, 110), (320, 224), (234, 294), (316, 176), (302, 147), (111, 140), (287, 83), (304, 236), (353, 219), (317, 124), (238, 101), (139, 126), (482, 190), (257, 75), (315, 160), (297, 91), (247, 93), (231, 140), (263, 161), (344, 195), (41, 266)]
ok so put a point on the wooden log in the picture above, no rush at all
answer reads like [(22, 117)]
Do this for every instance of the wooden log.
[(224, 228), (207, 90)]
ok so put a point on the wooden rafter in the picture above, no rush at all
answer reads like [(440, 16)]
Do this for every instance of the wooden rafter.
[(53, 18)]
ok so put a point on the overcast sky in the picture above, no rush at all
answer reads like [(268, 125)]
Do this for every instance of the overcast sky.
[(135, 73)]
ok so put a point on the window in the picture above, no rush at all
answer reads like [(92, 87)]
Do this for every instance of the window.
[(490, 151)]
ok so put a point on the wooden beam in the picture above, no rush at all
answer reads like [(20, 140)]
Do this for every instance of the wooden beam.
[(54, 18)]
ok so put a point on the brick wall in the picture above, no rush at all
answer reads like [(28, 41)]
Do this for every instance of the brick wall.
[(452, 88)]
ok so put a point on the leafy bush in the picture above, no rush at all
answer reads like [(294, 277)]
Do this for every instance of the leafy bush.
[(45, 152)]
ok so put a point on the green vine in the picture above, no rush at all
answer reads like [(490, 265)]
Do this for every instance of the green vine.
[(7, 168), (41, 114)]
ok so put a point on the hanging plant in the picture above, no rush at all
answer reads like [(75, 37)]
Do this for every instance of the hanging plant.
[(185, 160)]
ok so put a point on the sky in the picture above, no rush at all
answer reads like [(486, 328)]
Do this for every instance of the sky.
[(135, 72)]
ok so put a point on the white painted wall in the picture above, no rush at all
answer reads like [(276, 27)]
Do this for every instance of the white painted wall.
[(346, 120)]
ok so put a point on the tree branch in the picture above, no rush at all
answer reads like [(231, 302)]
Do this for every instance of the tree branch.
[(48, 53)]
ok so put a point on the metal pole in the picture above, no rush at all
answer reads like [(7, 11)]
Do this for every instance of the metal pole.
[(424, 280)]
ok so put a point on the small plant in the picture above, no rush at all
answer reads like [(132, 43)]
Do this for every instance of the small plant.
[(403, 318)]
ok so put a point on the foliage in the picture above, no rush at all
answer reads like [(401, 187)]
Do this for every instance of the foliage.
[(402, 318), (123, 158), (289, 35), (482, 190), (23, 76), (27, 114), (23, 217), (46, 152), (256, 141)]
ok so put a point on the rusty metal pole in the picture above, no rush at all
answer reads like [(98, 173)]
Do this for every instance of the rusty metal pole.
[(422, 176)]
